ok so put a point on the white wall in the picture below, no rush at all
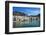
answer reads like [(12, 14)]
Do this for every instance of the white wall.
[(2, 17)]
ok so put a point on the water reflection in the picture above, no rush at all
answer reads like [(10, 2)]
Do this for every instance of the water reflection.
[(26, 21)]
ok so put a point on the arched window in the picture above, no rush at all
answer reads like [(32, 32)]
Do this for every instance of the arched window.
[(36, 18), (14, 18)]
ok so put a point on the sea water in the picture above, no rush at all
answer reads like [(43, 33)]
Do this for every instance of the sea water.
[(33, 23)]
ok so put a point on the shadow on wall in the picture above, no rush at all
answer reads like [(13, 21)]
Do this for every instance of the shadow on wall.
[(9, 34)]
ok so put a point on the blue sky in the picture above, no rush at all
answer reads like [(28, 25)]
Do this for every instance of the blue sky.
[(27, 10)]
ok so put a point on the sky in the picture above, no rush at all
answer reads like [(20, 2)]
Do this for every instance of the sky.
[(27, 10)]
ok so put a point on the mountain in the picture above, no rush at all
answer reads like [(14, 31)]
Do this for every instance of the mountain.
[(22, 14), (19, 13), (38, 15)]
